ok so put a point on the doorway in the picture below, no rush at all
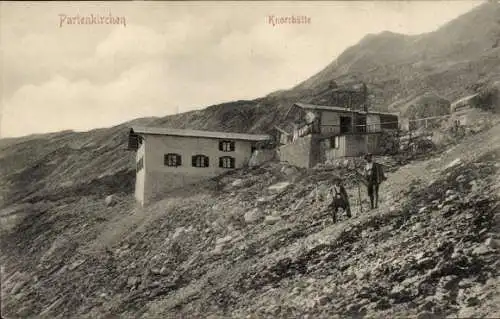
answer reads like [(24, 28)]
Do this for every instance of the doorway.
[(345, 124)]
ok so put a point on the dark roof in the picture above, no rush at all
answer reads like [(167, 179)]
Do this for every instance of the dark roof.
[(145, 130), (323, 107), (306, 106), (463, 102)]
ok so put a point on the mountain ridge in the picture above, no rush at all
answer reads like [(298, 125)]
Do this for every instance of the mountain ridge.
[(390, 85), (260, 243), (374, 60)]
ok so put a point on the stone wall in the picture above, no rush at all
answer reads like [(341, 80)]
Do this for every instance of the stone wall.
[(373, 143), (140, 177), (259, 157), (355, 145), (297, 153)]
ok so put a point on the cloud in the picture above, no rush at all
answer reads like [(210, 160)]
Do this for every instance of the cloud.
[(138, 72), (81, 105), (172, 57), (132, 41)]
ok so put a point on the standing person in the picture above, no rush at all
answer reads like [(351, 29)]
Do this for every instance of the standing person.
[(374, 175)]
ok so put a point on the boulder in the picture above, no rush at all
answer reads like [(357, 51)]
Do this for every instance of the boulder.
[(453, 163), (218, 250), (178, 232), (67, 184), (132, 281), (271, 219), (237, 183), (279, 187), (155, 270), (76, 264), (224, 240), (289, 171), (163, 271), (50, 308), (426, 315), (110, 200), (473, 186), (417, 226), (323, 300), (466, 312), (253, 216), (265, 199), (423, 210), (460, 179), (299, 205), (450, 192), (492, 243), (24, 312), (17, 288), (481, 250)]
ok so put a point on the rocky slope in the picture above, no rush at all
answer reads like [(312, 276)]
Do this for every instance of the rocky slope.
[(447, 62), (451, 62), (258, 244), (251, 249)]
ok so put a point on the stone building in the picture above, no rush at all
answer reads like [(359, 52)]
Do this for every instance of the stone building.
[(325, 133), (171, 158)]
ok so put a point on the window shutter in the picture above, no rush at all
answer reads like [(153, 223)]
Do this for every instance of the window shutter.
[(206, 161), (193, 161), (221, 162), (221, 144), (179, 160), (233, 164), (231, 146)]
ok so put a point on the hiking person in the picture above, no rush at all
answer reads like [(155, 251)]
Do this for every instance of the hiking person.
[(374, 175), (340, 199)]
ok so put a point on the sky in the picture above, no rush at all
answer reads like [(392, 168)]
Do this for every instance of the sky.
[(161, 58)]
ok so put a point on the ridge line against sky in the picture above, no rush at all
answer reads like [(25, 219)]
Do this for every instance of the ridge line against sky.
[(171, 57)]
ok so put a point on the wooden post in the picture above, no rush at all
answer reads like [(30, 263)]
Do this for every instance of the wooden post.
[(353, 121), (360, 201), (409, 137), (365, 97)]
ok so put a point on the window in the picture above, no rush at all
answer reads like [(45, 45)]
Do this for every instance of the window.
[(226, 146), (140, 164), (334, 142), (227, 162), (172, 159), (199, 161), (361, 125)]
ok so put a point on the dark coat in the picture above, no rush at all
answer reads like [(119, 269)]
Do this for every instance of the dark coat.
[(376, 176)]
